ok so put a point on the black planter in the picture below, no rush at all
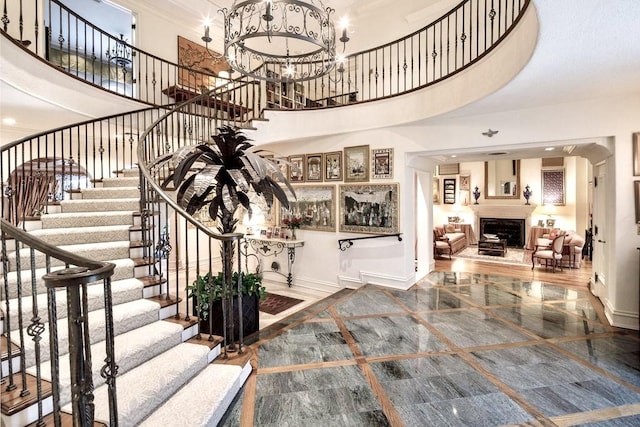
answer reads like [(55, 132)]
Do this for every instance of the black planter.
[(250, 312)]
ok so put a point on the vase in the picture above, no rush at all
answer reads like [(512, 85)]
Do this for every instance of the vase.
[(293, 234), (250, 317)]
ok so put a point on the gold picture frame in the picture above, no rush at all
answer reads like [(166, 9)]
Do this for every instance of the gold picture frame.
[(332, 166), (382, 163), (296, 168), (313, 167), (315, 204), (356, 164), (369, 208), (636, 154)]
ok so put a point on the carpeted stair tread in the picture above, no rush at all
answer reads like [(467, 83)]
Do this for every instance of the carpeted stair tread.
[(129, 172), (99, 205), (122, 291), (126, 317), (88, 219), (124, 270), (110, 193), (145, 388), (79, 235), (124, 181), (104, 251), (132, 349), (207, 403)]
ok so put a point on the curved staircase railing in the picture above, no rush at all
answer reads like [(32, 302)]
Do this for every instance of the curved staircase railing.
[(443, 48), (20, 284)]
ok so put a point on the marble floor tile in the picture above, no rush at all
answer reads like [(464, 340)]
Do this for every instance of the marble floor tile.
[(473, 327), (488, 295), (310, 342), (366, 302), (392, 335), (419, 299), (425, 382), (619, 355), (486, 410), (553, 383), (548, 322)]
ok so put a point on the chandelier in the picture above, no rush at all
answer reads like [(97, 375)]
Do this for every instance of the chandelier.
[(120, 54), (281, 40)]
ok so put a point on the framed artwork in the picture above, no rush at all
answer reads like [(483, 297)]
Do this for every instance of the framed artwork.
[(313, 167), (449, 190), (553, 187), (356, 164), (449, 169), (436, 191), (332, 166), (276, 233), (315, 204), (369, 208), (636, 154), (382, 163), (198, 67), (637, 191), (296, 168), (465, 182)]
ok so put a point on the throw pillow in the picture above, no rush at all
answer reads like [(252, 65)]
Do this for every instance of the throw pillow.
[(439, 231), (450, 228), (555, 232)]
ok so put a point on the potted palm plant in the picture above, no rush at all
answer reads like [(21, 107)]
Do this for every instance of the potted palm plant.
[(219, 176)]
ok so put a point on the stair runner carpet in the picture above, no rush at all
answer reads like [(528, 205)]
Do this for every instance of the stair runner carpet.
[(154, 363)]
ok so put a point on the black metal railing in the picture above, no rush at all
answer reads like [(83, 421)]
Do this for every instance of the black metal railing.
[(441, 49), (27, 324)]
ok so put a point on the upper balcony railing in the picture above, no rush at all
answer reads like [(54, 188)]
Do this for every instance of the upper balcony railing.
[(439, 50)]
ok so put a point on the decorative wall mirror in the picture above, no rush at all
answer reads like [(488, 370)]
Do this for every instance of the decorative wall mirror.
[(502, 179)]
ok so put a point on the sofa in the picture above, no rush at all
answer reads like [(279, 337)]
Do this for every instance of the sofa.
[(573, 245), (456, 238)]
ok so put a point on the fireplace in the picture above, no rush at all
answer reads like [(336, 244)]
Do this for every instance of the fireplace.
[(511, 229)]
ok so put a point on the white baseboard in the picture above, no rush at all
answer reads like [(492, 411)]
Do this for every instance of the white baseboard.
[(621, 318), (385, 280), (304, 283)]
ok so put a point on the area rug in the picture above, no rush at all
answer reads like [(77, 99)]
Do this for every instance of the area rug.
[(513, 256), (274, 303)]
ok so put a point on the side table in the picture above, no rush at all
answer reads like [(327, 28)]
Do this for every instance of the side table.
[(265, 247)]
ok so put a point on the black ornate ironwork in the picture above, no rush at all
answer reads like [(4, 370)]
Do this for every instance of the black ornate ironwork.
[(344, 244), (272, 247)]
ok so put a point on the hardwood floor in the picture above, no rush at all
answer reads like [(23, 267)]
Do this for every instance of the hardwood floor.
[(578, 277)]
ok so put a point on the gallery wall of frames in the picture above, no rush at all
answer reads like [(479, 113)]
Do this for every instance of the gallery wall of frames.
[(334, 191)]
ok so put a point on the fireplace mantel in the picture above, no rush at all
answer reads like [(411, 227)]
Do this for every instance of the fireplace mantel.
[(504, 211)]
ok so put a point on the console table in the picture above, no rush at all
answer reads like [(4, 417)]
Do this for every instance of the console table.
[(498, 247), (265, 247)]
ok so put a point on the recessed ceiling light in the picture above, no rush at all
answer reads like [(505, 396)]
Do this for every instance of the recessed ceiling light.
[(549, 148), (9, 121), (453, 155)]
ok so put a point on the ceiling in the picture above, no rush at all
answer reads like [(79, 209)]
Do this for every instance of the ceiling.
[(587, 49)]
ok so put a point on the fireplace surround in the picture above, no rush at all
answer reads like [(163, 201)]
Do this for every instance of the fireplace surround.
[(510, 229)]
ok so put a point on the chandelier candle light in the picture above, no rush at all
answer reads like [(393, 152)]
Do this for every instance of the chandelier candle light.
[(280, 40)]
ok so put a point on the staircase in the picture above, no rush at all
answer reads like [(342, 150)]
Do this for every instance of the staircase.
[(165, 373)]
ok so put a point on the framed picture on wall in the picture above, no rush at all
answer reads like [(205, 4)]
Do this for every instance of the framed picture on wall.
[(449, 191), (382, 163), (296, 168), (356, 163), (465, 182), (636, 154), (313, 167), (553, 187), (637, 191), (332, 166), (436, 191), (369, 208), (315, 204)]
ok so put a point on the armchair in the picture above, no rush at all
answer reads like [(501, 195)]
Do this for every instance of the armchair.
[(551, 253), (441, 244)]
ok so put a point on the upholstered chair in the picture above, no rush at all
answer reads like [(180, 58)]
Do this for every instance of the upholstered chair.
[(441, 244), (551, 254)]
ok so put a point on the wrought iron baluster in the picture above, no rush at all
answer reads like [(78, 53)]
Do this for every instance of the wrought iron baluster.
[(35, 331)]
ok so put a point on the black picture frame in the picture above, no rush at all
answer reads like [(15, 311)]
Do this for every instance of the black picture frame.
[(449, 191)]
